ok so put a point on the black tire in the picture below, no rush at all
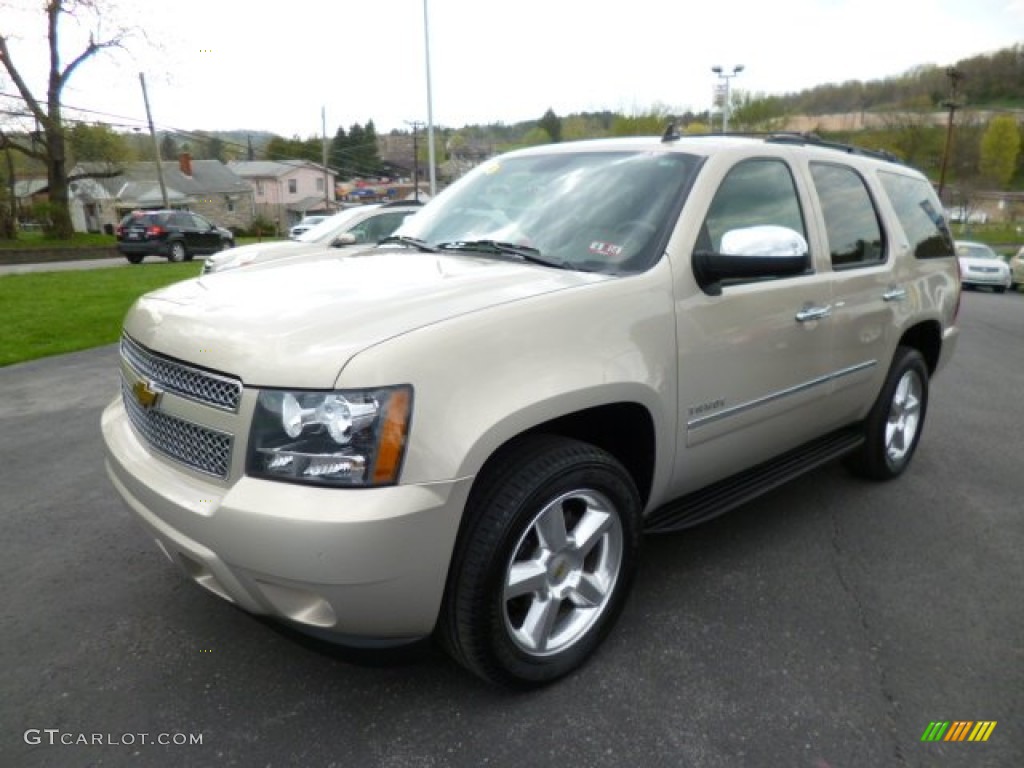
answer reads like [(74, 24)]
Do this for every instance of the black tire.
[(178, 252), (574, 592), (1000, 289), (134, 258), (893, 428)]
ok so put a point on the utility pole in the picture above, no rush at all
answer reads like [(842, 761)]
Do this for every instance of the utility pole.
[(156, 145), (952, 104)]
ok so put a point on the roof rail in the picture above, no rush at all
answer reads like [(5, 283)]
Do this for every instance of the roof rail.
[(812, 139)]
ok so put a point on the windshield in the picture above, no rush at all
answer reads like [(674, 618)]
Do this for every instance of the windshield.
[(332, 226), (975, 251), (595, 211)]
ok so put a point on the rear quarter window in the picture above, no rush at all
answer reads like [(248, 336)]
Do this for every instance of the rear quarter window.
[(920, 214)]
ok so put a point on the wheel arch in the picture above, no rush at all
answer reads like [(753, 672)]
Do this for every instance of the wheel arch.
[(926, 338), (625, 430)]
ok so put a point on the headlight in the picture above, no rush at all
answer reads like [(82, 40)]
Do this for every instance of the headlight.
[(343, 438)]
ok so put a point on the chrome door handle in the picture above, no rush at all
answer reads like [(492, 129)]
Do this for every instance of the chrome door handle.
[(807, 314), (895, 294)]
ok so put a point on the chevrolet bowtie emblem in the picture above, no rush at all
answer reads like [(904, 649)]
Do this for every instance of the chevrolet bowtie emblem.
[(147, 394)]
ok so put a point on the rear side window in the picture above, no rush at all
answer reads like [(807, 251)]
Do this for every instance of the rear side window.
[(851, 221), (920, 214)]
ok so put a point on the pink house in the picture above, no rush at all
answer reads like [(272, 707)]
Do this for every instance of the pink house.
[(287, 190)]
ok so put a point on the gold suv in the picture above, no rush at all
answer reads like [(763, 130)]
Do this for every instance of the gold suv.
[(464, 430)]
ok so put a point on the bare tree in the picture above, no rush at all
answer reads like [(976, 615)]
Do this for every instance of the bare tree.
[(48, 112)]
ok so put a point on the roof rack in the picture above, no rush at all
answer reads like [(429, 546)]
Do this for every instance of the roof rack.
[(786, 137), (812, 139)]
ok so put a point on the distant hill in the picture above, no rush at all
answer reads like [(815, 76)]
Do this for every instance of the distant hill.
[(991, 80)]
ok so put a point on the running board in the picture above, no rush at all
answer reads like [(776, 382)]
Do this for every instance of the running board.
[(716, 499)]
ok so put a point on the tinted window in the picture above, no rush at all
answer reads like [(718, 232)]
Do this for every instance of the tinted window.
[(851, 221), (755, 193), (920, 214)]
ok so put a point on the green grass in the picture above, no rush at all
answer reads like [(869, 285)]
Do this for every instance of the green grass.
[(50, 313)]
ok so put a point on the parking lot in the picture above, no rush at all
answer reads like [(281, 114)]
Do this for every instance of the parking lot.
[(824, 625)]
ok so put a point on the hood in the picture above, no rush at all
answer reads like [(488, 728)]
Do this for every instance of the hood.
[(256, 253), (298, 325)]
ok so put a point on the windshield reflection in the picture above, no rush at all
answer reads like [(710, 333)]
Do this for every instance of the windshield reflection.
[(595, 211)]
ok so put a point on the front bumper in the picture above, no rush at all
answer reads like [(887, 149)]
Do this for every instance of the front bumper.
[(358, 565), (985, 278)]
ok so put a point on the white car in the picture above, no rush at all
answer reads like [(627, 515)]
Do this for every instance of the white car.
[(305, 225), (352, 226), (980, 265)]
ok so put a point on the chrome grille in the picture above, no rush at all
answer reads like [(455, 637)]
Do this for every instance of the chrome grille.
[(195, 384), (201, 448)]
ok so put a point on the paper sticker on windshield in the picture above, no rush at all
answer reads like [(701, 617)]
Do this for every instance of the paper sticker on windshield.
[(491, 168), (609, 250)]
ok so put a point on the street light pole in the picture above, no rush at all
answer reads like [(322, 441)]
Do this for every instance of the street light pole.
[(430, 103), (726, 106)]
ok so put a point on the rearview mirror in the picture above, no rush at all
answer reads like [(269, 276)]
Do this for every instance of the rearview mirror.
[(345, 238)]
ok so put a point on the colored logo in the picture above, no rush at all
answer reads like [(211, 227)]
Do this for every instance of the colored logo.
[(146, 393), (959, 730)]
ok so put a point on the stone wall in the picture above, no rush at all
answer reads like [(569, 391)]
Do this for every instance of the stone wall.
[(11, 256), (217, 208)]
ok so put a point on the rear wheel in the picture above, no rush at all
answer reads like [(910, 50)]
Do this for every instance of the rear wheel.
[(134, 258), (544, 565), (893, 428), (178, 252)]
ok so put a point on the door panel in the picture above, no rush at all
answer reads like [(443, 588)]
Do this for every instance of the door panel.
[(755, 363)]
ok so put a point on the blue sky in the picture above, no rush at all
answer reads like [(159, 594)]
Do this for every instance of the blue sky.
[(224, 64)]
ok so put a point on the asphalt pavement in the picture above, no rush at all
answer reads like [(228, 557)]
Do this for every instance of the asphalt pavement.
[(825, 625)]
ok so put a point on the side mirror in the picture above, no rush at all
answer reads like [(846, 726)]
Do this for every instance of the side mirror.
[(751, 252), (345, 238)]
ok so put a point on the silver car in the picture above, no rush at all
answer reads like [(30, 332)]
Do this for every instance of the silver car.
[(361, 225)]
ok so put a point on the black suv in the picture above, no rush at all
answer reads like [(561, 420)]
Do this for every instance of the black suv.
[(177, 235)]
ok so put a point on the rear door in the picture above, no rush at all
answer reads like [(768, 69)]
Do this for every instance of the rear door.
[(868, 295)]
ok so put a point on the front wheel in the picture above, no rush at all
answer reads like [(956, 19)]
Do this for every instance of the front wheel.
[(893, 428), (544, 564)]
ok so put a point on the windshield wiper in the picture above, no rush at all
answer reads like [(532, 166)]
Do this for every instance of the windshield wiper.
[(412, 242), (523, 252)]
